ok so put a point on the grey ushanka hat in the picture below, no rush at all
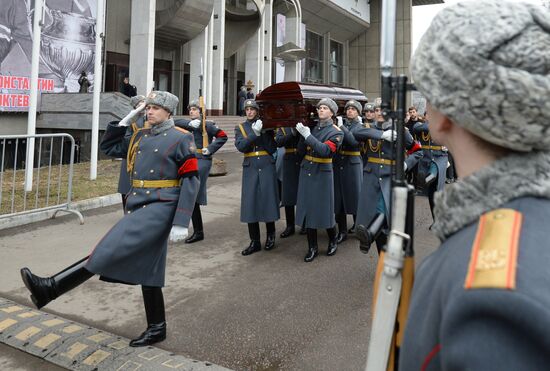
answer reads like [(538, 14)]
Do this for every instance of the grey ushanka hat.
[(330, 104), (486, 65), (353, 103), (135, 100), (252, 104), (368, 107), (164, 99), (194, 103)]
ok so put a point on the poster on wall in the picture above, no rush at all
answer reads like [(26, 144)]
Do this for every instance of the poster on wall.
[(66, 49)]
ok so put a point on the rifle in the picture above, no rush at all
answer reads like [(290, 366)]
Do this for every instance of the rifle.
[(395, 270), (203, 112)]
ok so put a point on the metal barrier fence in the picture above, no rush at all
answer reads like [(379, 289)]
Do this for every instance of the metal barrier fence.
[(52, 180)]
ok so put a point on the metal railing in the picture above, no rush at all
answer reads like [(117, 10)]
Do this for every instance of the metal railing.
[(52, 179)]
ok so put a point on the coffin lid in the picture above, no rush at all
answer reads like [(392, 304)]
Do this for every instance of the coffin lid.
[(298, 91)]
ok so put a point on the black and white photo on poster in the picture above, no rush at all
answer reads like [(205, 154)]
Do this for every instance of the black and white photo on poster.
[(66, 48)]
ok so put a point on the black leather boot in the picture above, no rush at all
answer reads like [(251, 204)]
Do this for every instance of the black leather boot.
[(195, 237), (270, 242), (289, 231), (312, 245), (45, 289), (254, 246), (156, 323), (352, 229), (332, 241), (341, 237)]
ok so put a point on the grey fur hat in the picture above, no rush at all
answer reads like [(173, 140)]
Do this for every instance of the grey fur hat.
[(135, 100), (330, 104), (368, 107), (353, 103), (251, 103), (486, 65), (164, 99), (194, 103)]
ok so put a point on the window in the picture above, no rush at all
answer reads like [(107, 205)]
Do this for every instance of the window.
[(313, 71), (336, 63)]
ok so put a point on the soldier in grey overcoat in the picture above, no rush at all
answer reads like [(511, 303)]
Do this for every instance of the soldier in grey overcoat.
[(315, 204), (164, 178), (259, 193), (288, 139), (374, 198), (432, 167), (348, 169), (216, 139), (480, 301), (137, 123)]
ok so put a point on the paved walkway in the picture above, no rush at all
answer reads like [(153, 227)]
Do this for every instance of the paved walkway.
[(267, 311)]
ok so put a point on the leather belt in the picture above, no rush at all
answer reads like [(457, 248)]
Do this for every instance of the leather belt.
[(382, 161), (156, 183), (320, 160), (349, 153), (257, 153), (433, 148)]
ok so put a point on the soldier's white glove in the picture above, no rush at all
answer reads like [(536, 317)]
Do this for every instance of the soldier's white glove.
[(389, 135), (257, 127), (206, 152), (444, 149), (340, 121), (132, 115), (305, 131), (195, 123), (178, 233)]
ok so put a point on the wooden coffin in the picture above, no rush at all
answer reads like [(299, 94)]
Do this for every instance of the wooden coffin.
[(287, 103)]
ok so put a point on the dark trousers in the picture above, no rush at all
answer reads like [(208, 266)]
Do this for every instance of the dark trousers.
[(254, 230), (289, 214), (196, 218)]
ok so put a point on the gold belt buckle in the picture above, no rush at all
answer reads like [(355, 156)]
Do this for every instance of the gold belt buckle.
[(141, 183)]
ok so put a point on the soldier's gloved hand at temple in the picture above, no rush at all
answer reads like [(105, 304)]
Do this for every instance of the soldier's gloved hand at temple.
[(303, 130), (340, 121), (205, 152), (389, 135), (257, 127), (195, 123), (178, 233), (131, 116)]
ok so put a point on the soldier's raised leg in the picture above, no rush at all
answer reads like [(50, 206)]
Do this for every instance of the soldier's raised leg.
[(45, 289)]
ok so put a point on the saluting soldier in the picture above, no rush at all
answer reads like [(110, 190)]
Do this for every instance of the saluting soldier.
[(216, 139), (288, 139), (165, 183), (137, 122), (481, 300), (432, 167), (348, 169), (315, 204), (259, 194), (374, 198)]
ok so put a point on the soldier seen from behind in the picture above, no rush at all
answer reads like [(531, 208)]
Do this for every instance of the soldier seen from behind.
[(481, 300), (259, 193), (164, 178)]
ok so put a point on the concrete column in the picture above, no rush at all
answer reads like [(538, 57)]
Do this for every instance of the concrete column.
[(216, 63), (198, 49), (267, 45), (345, 67), (142, 45), (177, 76), (232, 85), (326, 58), (254, 60), (293, 29)]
